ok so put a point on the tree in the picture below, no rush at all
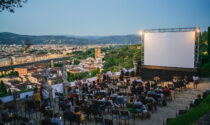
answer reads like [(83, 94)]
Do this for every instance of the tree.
[(76, 62), (9, 92), (10, 5), (16, 73), (208, 39), (77, 76), (3, 89), (95, 72), (27, 44), (121, 58)]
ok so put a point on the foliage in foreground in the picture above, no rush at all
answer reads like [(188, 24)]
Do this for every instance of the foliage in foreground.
[(194, 114), (204, 53), (10, 5)]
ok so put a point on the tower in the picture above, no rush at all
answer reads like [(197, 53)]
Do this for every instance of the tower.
[(97, 53), (52, 63)]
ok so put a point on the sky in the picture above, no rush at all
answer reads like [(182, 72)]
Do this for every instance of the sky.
[(104, 17)]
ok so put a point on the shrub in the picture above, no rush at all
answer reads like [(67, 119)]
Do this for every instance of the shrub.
[(205, 72)]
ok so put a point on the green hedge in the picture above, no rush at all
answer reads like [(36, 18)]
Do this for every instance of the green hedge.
[(194, 114), (26, 90), (205, 70)]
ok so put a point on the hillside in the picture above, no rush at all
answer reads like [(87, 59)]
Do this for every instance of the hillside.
[(122, 58), (11, 38)]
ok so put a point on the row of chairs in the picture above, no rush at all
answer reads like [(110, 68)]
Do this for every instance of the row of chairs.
[(122, 116), (102, 121)]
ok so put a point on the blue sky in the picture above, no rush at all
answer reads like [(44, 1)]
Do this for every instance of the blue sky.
[(104, 17)]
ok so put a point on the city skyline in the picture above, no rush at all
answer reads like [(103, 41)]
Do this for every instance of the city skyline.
[(105, 17)]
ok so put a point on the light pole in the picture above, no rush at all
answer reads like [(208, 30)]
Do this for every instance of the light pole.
[(198, 33)]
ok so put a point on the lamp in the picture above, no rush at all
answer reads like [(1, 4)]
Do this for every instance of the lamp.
[(198, 30)]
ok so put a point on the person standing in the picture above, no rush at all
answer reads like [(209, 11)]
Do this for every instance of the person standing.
[(196, 80), (99, 78), (45, 95), (37, 98), (186, 81)]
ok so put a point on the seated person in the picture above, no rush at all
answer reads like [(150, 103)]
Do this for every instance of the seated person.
[(186, 81), (130, 104), (6, 115), (181, 83), (119, 84), (131, 101), (154, 85), (27, 99), (151, 92), (77, 91), (147, 85), (140, 89), (160, 96), (95, 106), (138, 103), (81, 116), (68, 102), (166, 91), (101, 99), (113, 104), (133, 89), (159, 89), (176, 83), (29, 104), (120, 99), (43, 107), (151, 100), (139, 81), (134, 82), (197, 101), (61, 104), (56, 119), (144, 109)]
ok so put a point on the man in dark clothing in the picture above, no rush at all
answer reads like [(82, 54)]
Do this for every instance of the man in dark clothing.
[(69, 115)]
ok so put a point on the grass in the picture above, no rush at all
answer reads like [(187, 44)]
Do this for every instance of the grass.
[(192, 115)]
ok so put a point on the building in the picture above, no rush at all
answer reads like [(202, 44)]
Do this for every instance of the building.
[(52, 63), (21, 71), (97, 53)]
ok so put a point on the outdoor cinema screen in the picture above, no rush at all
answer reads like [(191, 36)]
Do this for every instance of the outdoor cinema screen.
[(169, 49)]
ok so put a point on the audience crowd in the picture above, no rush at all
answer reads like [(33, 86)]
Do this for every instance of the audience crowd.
[(120, 98)]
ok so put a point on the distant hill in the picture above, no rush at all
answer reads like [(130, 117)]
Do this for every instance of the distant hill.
[(12, 38)]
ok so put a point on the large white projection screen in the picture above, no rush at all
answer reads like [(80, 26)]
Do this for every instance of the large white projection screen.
[(169, 49)]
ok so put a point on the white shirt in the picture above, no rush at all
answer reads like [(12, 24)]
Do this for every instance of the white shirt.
[(109, 73), (195, 78), (45, 94)]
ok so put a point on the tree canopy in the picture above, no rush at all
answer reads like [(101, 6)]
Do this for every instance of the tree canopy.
[(3, 89), (10, 5), (122, 58)]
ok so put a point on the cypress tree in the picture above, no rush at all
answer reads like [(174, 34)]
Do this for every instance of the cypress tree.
[(9, 92), (208, 39), (3, 89)]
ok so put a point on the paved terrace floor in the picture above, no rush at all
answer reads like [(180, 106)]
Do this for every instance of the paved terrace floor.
[(181, 102)]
